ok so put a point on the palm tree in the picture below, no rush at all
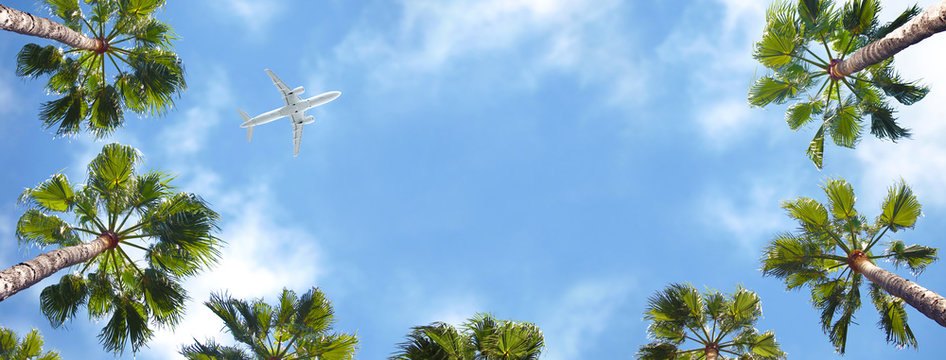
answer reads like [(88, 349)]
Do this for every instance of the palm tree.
[(125, 37), (789, 47), (834, 249), (482, 338), (680, 315), (31, 348), (296, 328), (129, 215)]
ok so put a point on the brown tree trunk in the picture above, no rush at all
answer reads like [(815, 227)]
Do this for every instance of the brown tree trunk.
[(929, 22), (925, 301), (27, 273), (27, 24), (711, 351)]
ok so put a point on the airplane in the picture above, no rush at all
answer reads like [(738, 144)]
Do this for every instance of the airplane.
[(295, 109)]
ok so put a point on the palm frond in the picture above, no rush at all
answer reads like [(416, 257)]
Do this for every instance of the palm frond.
[(815, 149), (60, 302), (106, 113), (904, 17), (810, 214), (40, 229), (860, 16), (128, 324), (68, 11), (801, 113), (900, 208), (34, 60), (65, 113), (844, 123), (163, 296), (890, 82), (893, 318), (210, 350), (915, 257), (113, 168), (841, 198)]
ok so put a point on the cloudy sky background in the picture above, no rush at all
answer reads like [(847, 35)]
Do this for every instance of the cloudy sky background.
[(543, 160)]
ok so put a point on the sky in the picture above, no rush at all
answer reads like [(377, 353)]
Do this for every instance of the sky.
[(548, 161)]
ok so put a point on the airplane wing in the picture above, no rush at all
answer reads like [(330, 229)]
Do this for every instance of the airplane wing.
[(285, 90), (296, 137)]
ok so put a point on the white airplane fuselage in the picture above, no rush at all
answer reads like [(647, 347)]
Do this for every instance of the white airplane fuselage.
[(297, 108)]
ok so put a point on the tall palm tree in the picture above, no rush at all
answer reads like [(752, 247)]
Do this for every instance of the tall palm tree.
[(808, 73), (834, 249), (123, 36), (296, 328), (715, 325), (482, 338), (31, 348), (129, 216)]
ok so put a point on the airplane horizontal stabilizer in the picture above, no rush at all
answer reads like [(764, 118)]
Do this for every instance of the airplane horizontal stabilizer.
[(249, 129)]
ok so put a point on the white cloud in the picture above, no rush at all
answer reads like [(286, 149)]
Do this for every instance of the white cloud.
[(580, 38), (750, 216), (261, 257), (254, 16), (582, 313), (719, 57), (189, 134)]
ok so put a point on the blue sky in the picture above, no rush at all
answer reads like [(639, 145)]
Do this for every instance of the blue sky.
[(544, 160)]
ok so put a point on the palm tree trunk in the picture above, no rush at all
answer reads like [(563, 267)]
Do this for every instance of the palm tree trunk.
[(25, 274), (929, 22), (27, 24), (711, 353), (927, 302)]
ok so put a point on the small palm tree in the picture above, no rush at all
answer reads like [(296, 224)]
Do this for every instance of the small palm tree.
[(31, 348), (716, 325), (124, 36), (481, 338), (834, 250), (808, 72), (296, 328), (130, 216)]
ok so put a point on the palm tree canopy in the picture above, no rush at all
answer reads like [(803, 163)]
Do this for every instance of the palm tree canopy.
[(802, 43), (30, 348), (157, 238), (298, 327), (685, 324), (820, 253), (145, 73), (482, 337)]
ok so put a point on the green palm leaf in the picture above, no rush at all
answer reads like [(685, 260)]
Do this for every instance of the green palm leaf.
[(815, 150), (61, 301), (893, 318), (30, 348), (40, 229), (34, 60), (915, 257), (840, 198), (900, 208)]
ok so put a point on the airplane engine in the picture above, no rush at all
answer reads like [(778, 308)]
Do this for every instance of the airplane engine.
[(298, 90), (308, 120)]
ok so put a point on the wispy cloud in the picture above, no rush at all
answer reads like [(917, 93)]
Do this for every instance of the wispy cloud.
[(750, 216), (188, 134), (582, 313), (253, 16), (535, 37), (714, 41)]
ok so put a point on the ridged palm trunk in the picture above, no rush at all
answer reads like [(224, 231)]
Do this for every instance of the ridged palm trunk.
[(25, 274), (27, 24), (711, 352), (931, 21), (925, 301)]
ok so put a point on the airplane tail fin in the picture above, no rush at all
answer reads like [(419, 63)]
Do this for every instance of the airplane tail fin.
[(249, 129)]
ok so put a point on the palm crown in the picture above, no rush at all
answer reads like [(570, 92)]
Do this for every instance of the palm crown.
[(823, 254), (715, 323), (31, 348), (146, 73), (296, 328), (482, 337), (140, 216), (805, 72)]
